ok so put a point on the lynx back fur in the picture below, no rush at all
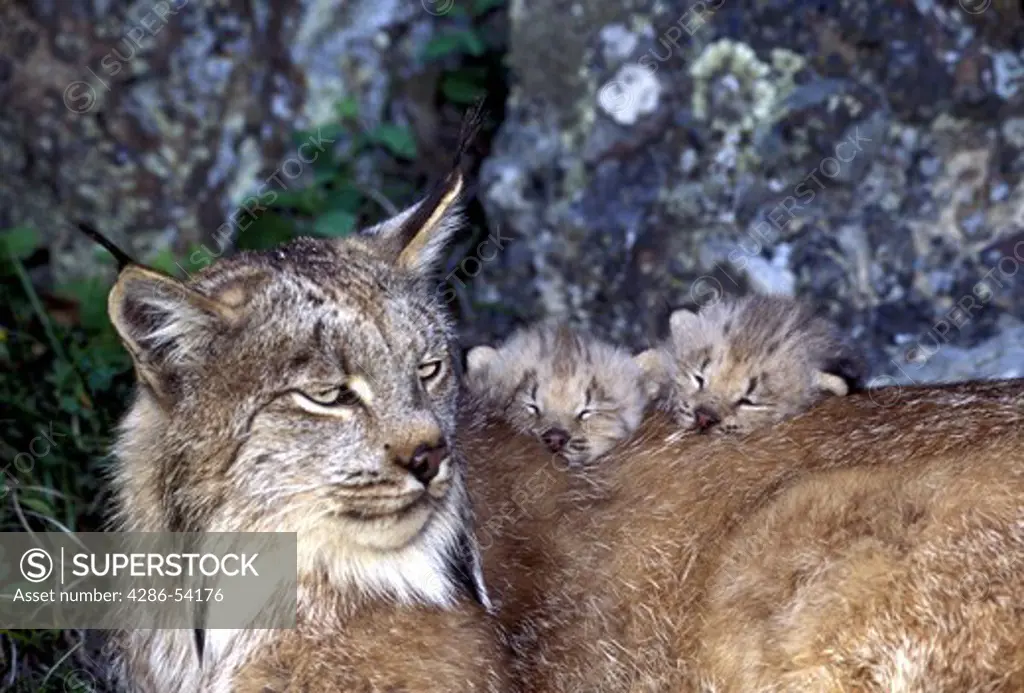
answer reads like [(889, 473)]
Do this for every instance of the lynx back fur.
[(311, 389), (874, 544)]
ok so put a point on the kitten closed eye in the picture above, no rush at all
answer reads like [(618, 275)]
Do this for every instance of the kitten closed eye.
[(745, 363), (584, 395)]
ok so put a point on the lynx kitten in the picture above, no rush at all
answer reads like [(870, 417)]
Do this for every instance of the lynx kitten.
[(579, 395), (748, 362)]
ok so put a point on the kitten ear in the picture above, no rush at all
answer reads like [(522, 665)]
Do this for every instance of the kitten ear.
[(480, 358), (164, 324), (682, 322), (842, 372), (652, 363), (830, 383)]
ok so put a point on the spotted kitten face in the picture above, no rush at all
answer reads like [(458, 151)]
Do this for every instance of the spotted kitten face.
[(578, 395), (714, 392), (573, 416), (743, 364)]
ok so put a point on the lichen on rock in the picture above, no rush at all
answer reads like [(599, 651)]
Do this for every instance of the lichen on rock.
[(864, 154)]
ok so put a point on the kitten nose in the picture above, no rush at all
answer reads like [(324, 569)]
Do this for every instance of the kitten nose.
[(425, 461), (705, 418), (555, 439)]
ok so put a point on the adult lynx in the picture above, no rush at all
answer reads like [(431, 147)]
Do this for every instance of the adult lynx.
[(311, 389)]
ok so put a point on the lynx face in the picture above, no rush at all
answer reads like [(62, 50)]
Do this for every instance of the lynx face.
[(305, 389), (742, 364), (578, 395)]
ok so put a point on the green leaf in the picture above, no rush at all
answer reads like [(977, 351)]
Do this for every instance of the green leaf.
[(457, 42), (335, 224), (166, 261), (324, 176), (442, 46), (348, 107), (38, 504), (396, 139), (461, 88), (474, 44), (91, 296), (19, 243), (305, 201), (329, 131), (269, 231), (482, 7), (344, 198)]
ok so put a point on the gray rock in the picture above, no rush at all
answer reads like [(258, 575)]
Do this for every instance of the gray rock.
[(862, 153), (929, 360), (154, 121)]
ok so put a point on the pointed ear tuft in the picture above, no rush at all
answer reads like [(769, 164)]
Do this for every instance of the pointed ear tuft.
[(122, 258), (430, 227), (480, 358), (162, 322), (652, 363), (682, 322), (418, 237)]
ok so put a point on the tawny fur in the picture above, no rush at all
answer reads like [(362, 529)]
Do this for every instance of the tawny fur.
[(744, 363), (288, 391), (579, 394), (874, 544)]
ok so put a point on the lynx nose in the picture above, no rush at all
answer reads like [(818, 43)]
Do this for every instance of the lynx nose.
[(555, 439), (425, 461), (705, 418)]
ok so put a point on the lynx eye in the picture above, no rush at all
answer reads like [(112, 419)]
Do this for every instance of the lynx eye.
[(698, 380), (532, 408), (340, 396), (428, 370), (745, 401), (585, 414)]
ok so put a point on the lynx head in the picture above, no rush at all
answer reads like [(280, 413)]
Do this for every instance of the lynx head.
[(309, 389), (579, 395), (744, 363)]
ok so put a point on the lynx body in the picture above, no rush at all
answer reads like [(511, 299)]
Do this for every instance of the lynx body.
[(874, 544)]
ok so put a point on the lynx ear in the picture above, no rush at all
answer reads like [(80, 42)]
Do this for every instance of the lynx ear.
[(682, 322), (652, 363), (480, 358), (416, 238), (164, 323)]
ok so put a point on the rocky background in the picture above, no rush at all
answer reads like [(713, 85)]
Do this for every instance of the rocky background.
[(867, 154)]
